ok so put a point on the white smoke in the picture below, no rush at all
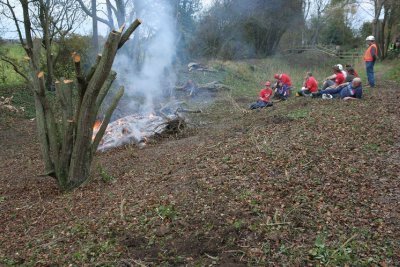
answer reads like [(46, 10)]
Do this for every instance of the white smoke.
[(155, 74), (145, 80)]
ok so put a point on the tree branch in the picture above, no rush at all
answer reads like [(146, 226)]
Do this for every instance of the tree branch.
[(87, 11), (125, 37), (15, 67), (107, 119)]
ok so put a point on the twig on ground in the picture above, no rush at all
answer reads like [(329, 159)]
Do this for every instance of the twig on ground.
[(211, 257), (121, 209)]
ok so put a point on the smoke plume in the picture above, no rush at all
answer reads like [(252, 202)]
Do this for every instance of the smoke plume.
[(146, 71)]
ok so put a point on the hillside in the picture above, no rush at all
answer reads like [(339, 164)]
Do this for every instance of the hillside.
[(306, 182)]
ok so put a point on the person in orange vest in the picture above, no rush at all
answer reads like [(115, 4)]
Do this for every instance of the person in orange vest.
[(370, 56)]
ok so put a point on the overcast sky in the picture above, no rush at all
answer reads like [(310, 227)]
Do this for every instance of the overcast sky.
[(365, 13)]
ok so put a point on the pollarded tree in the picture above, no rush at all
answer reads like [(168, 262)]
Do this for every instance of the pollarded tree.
[(67, 142)]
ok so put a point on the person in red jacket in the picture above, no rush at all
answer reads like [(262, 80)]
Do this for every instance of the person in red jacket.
[(284, 78), (264, 97), (310, 86), (335, 80), (283, 86)]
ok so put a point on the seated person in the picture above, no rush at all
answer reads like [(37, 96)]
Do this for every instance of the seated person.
[(310, 86), (282, 91), (264, 96), (353, 71), (334, 80), (283, 86), (351, 74), (346, 91), (340, 66)]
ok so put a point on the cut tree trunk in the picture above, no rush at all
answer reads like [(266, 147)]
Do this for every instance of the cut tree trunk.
[(67, 143)]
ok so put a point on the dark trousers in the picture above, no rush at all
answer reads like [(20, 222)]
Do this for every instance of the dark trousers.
[(370, 72)]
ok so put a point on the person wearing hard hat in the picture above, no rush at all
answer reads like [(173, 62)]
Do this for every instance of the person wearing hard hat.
[(340, 66), (264, 96), (370, 56), (347, 91)]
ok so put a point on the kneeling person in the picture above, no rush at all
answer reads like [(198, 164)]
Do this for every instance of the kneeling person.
[(347, 91), (264, 96)]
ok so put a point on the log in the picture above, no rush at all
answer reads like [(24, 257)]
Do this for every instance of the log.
[(214, 86)]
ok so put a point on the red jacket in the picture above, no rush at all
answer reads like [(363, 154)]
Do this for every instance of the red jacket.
[(339, 78), (265, 94), (311, 84), (285, 79)]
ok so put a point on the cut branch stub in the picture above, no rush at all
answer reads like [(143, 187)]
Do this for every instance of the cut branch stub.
[(127, 34)]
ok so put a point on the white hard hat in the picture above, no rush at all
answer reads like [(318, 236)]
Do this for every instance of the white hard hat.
[(340, 66), (370, 38)]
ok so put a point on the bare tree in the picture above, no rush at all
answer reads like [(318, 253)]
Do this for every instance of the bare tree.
[(51, 20), (116, 9), (67, 142)]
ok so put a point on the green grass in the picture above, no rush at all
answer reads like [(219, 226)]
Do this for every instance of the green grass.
[(22, 97), (393, 73), (8, 76)]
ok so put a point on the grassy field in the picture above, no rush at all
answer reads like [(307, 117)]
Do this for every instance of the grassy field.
[(305, 183), (8, 76)]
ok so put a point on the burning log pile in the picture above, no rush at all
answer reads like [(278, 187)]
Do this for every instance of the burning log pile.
[(137, 129)]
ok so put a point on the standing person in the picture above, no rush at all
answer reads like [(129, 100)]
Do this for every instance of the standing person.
[(370, 56), (264, 96), (310, 86)]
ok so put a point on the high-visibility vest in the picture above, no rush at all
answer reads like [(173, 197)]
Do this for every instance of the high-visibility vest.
[(368, 55)]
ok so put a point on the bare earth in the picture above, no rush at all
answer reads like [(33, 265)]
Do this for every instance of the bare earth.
[(303, 183)]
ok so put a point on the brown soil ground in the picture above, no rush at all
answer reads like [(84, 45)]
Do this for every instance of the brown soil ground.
[(306, 182)]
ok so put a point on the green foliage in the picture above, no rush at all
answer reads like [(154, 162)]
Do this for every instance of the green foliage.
[(22, 97), (393, 73), (73, 43), (325, 254), (7, 74), (105, 176), (167, 213)]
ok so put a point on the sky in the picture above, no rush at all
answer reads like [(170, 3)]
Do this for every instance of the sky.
[(7, 29)]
